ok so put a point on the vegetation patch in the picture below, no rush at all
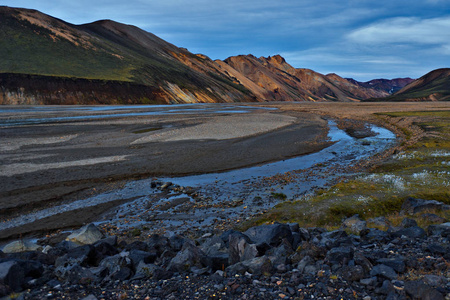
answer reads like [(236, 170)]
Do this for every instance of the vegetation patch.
[(420, 170)]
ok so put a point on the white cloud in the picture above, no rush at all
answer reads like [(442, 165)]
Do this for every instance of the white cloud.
[(404, 30)]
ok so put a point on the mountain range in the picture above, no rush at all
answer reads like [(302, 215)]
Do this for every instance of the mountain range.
[(44, 60)]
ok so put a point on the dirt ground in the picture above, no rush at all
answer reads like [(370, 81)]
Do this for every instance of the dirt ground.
[(51, 164)]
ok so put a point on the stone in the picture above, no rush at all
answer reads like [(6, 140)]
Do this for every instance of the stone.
[(306, 261), (386, 288), (158, 242), (374, 235), (435, 280), (395, 263), (437, 249), (380, 222), (104, 248), (189, 256), (176, 242), (352, 273), (432, 218), (417, 289), (258, 265), (86, 235), (137, 256), (413, 232), (86, 255), (147, 270), (240, 248), (414, 206), (12, 275), (354, 224), (362, 261), (116, 262), (137, 245), (407, 222), (21, 246), (89, 297), (340, 255), (439, 230), (78, 274), (369, 281), (271, 235), (384, 271)]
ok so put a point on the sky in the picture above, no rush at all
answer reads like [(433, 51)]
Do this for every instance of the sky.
[(361, 39)]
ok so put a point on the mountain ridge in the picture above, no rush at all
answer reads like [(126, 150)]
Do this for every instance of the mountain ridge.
[(33, 43)]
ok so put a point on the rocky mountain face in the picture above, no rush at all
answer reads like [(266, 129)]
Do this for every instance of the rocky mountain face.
[(390, 86), (273, 79), (45, 60)]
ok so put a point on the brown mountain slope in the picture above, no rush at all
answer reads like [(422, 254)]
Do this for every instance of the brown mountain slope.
[(273, 79)]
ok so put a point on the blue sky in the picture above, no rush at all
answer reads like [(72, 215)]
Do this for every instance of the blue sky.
[(363, 39)]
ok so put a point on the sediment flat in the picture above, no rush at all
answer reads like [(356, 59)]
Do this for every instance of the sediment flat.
[(49, 164)]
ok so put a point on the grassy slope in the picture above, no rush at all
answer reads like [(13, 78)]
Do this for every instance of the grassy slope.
[(421, 170), (30, 49)]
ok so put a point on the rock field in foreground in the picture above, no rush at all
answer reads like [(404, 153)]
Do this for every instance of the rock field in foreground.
[(277, 261)]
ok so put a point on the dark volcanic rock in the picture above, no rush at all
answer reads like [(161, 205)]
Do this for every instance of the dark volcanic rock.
[(419, 290), (12, 275), (414, 206), (410, 232), (271, 235), (384, 271)]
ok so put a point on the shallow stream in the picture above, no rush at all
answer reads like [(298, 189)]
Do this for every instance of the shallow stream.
[(222, 199)]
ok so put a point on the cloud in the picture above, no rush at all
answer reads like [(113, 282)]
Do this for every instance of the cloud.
[(404, 30)]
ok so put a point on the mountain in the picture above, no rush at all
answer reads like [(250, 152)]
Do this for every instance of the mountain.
[(44, 60), (37, 44), (273, 79), (390, 86), (434, 86)]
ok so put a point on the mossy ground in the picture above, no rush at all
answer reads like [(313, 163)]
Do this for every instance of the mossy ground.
[(421, 169)]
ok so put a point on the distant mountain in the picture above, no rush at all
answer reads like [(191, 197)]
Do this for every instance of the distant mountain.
[(44, 60), (434, 86), (390, 86)]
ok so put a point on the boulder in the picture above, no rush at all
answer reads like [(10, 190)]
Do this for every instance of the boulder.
[(189, 256), (354, 224), (240, 248), (257, 266), (413, 232), (407, 222), (374, 235), (271, 235), (12, 275), (413, 206), (384, 271), (137, 256), (88, 234), (440, 230), (21, 246), (417, 289), (352, 273), (340, 255), (379, 222), (397, 264)]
